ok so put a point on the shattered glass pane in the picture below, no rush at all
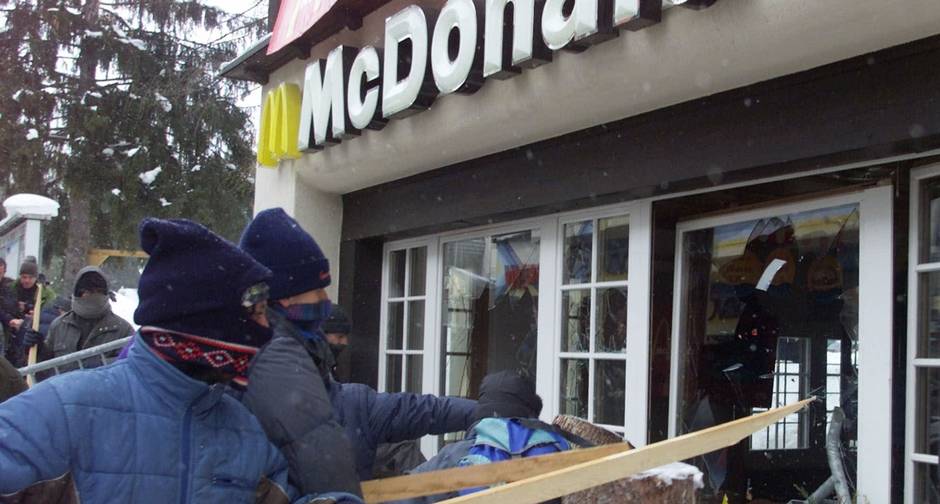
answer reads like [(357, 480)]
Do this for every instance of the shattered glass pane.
[(574, 388), (609, 391), (771, 316), (576, 325), (490, 305), (578, 252), (613, 243), (611, 324)]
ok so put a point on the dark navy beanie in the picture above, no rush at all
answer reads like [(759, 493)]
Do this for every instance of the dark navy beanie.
[(507, 394), (194, 281), (338, 323), (277, 241)]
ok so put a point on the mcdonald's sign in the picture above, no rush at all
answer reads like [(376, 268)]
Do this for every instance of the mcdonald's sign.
[(280, 119)]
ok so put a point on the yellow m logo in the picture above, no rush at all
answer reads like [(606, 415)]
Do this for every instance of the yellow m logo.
[(280, 119)]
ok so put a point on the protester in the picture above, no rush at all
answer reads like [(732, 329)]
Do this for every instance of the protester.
[(89, 323), (391, 459), (301, 272), (301, 422), (336, 329), (506, 426), (25, 290), (24, 338), (157, 426)]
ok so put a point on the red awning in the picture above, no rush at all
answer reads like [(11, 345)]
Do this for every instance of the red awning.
[(294, 18)]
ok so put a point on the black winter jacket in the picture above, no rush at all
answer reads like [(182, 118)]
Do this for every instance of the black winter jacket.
[(287, 394)]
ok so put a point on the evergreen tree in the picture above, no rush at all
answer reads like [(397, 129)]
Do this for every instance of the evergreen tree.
[(114, 109)]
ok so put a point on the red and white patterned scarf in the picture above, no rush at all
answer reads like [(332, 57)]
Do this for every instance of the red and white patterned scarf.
[(224, 356)]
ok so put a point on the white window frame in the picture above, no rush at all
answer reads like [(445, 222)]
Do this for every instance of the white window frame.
[(875, 324), (546, 228), (636, 354), (914, 325), (550, 261), (430, 290)]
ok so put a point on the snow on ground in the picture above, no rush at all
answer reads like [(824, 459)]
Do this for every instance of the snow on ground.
[(124, 304), (671, 472)]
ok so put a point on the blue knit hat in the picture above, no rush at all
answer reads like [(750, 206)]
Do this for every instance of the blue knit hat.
[(277, 241), (194, 281)]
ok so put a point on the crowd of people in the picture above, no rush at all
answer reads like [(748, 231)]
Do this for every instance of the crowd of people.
[(227, 391)]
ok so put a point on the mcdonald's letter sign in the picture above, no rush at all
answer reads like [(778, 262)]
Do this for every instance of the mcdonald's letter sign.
[(363, 88), (280, 118)]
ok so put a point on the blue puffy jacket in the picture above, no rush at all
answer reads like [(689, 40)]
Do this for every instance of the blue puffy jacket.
[(137, 431), (371, 418)]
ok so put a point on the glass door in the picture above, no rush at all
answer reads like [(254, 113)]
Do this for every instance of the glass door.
[(767, 313)]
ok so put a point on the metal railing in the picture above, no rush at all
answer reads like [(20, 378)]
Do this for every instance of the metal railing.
[(78, 358)]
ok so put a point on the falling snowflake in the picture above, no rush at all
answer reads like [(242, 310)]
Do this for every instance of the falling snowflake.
[(164, 202), (32, 134), (116, 191), (107, 151), (148, 177), (94, 34), (231, 166), (196, 168), (131, 152)]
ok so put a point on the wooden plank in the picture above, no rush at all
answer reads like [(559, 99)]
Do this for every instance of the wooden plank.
[(34, 350), (450, 480), (621, 465)]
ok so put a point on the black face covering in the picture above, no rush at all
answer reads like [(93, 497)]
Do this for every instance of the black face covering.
[(337, 349), (257, 333)]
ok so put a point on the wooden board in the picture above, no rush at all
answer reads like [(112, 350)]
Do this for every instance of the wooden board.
[(450, 480), (34, 350), (617, 466)]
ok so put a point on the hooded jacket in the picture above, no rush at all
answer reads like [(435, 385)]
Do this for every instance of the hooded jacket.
[(136, 431), (70, 333), (287, 394), (370, 418)]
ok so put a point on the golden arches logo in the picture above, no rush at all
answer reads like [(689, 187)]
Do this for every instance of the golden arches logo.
[(280, 120)]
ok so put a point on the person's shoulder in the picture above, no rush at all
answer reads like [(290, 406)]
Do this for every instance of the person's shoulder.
[(57, 322), (106, 386), (118, 321)]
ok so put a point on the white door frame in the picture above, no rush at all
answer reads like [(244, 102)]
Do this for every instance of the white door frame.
[(916, 267), (875, 325)]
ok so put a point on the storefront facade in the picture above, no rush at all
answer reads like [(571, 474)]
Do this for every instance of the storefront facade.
[(697, 219)]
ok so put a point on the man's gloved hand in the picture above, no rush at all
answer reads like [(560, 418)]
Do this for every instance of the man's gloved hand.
[(32, 338)]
